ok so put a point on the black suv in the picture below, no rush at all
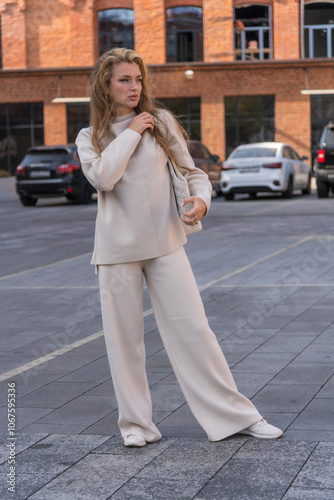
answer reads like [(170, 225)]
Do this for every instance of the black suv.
[(324, 163), (208, 162), (51, 171)]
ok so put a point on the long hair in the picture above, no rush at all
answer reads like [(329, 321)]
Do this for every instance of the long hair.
[(102, 108)]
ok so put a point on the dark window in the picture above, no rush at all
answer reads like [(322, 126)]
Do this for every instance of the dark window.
[(249, 119), (188, 110), (115, 29), (21, 126), (319, 30), (252, 38), (322, 112), (0, 46), (184, 34), (77, 118)]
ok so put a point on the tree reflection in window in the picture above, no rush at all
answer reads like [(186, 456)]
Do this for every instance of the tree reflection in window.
[(319, 30), (115, 29), (252, 38), (184, 34)]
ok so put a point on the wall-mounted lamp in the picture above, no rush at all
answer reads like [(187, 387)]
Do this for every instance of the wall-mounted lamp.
[(189, 74)]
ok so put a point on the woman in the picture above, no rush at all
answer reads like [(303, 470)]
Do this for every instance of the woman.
[(139, 233)]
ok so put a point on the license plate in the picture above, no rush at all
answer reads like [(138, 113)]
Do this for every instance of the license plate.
[(40, 173), (247, 170)]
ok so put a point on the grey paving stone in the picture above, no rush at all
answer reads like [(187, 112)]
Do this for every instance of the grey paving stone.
[(104, 473), (166, 397), (317, 416), (316, 353), (326, 313), (295, 493), (304, 374), (326, 337), (181, 423), (24, 416), (46, 459), (328, 389), (23, 441), (249, 385), (263, 363), (97, 370), (250, 335), (305, 327), (259, 470), (236, 352), (278, 344), (318, 471), (55, 394), (286, 398), (309, 435), (82, 410), (158, 362), (68, 428)]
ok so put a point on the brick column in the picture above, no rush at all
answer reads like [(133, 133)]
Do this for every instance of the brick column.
[(13, 35), (150, 32), (218, 30), (286, 29), (82, 33), (55, 124)]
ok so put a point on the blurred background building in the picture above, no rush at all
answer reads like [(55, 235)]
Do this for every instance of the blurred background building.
[(235, 71)]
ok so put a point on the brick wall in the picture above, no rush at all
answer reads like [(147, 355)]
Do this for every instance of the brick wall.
[(150, 39), (218, 30), (286, 29), (13, 35)]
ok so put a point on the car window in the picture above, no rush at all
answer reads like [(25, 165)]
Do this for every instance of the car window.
[(287, 153), (195, 150), (58, 155), (294, 154), (329, 139), (254, 152)]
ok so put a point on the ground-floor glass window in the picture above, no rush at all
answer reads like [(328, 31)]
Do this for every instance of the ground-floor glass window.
[(249, 119), (188, 110), (21, 126), (77, 118)]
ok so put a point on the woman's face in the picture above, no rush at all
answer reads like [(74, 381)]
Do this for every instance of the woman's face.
[(125, 87)]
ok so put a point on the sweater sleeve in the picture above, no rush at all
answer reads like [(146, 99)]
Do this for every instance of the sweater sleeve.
[(198, 181), (105, 170)]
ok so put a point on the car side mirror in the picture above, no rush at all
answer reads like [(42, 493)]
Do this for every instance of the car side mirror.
[(304, 158), (215, 157)]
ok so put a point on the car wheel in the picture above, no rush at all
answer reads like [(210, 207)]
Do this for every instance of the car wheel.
[(307, 190), (28, 201), (322, 189), (85, 195), (229, 196), (289, 191)]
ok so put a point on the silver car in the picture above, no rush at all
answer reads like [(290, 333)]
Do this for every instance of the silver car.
[(265, 167)]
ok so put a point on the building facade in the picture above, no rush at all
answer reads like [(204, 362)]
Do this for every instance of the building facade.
[(234, 71)]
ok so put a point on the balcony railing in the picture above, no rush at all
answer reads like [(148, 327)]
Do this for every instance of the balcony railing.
[(245, 49), (319, 40)]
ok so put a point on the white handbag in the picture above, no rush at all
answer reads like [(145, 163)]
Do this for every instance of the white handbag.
[(181, 191)]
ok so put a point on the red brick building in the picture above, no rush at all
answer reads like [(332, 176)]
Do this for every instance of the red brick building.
[(237, 71)]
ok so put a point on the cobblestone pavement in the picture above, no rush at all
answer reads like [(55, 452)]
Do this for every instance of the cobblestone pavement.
[(265, 268)]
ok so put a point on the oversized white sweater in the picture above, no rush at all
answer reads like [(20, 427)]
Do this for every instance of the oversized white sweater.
[(137, 217)]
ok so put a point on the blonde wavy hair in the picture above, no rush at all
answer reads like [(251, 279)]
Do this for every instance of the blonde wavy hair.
[(103, 109)]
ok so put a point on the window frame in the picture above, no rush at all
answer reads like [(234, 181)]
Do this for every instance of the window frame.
[(108, 45), (260, 29), (197, 52)]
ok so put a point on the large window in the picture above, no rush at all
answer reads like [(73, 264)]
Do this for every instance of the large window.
[(77, 118), (319, 30), (0, 46), (21, 126), (249, 119), (252, 39), (322, 112), (115, 29), (184, 34), (188, 110)]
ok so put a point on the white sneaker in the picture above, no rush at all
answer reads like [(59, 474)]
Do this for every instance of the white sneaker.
[(262, 430), (134, 440)]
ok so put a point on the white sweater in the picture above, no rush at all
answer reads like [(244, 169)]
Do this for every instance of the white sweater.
[(137, 217)]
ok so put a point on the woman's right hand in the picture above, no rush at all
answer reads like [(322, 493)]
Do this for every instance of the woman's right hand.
[(142, 122)]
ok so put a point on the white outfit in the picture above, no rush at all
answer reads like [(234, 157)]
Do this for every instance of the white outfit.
[(134, 188)]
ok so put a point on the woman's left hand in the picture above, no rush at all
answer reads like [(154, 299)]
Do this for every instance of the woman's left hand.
[(197, 211)]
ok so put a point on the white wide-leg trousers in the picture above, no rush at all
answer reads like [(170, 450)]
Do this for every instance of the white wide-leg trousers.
[(193, 350)]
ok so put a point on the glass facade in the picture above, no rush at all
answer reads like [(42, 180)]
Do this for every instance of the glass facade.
[(252, 38), (115, 29), (249, 119), (77, 118), (21, 126), (184, 34), (188, 111)]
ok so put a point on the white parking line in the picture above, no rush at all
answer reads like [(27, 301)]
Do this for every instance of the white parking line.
[(148, 312)]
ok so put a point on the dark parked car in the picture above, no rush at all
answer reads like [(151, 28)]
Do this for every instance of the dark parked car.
[(323, 165), (52, 171), (208, 162)]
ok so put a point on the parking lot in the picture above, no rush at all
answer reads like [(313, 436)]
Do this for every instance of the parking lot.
[(265, 269)]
